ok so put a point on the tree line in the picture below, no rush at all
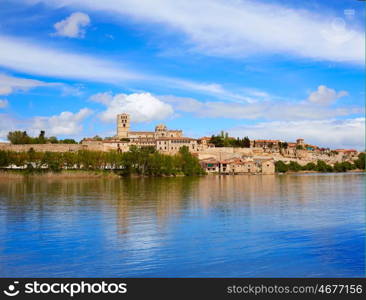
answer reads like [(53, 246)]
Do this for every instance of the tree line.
[(223, 140), (141, 161), (21, 137), (321, 166)]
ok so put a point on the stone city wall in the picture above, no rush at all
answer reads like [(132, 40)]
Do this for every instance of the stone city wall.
[(43, 147)]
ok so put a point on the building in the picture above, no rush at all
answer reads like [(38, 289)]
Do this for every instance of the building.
[(123, 125), (162, 139), (238, 166), (266, 144)]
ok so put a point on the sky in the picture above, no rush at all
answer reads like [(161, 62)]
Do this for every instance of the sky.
[(266, 69)]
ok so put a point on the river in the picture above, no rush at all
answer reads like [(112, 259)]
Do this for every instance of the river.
[(296, 225)]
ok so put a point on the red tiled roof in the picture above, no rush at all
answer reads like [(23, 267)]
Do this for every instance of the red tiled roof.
[(267, 141), (175, 138), (345, 150)]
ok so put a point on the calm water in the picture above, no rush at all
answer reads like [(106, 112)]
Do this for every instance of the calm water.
[(241, 226)]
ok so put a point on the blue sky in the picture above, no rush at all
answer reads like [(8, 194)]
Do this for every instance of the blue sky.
[(263, 69)]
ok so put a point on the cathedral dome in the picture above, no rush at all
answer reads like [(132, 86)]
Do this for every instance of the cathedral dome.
[(160, 127)]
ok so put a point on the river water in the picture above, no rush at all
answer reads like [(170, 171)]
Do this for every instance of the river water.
[(301, 225)]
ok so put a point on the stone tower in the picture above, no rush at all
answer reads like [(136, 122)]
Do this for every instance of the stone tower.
[(123, 125)]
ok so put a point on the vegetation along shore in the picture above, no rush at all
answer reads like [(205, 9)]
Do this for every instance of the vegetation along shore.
[(143, 161)]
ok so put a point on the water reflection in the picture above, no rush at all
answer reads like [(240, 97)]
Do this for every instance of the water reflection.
[(210, 226)]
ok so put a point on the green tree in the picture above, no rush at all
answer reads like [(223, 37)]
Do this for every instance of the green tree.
[(41, 138), (360, 162), (53, 140), (281, 167), (322, 166), (4, 159), (18, 137), (68, 141), (294, 166), (309, 167), (246, 142)]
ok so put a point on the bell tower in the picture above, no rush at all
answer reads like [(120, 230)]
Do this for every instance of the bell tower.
[(123, 125)]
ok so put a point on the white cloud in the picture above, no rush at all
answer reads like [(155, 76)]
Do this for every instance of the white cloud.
[(9, 84), (3, 103), (28, 57), (5, 90), (238, 28), (267, 110), (66, 123), (103, 98), (73, 26), (324, 95), (7, 124), (347, 133), (143, 107)]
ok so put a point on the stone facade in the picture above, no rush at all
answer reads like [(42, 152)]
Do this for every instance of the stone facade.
[(43, 147), (123, 125), (162, 139), (238, 166)]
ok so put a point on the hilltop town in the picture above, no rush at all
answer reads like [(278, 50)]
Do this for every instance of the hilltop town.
[(216, 154)]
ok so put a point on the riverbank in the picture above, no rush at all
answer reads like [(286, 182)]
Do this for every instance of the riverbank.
[(21, 173), (315, 172), (14, 174)]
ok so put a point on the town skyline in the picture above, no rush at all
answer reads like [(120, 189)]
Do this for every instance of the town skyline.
[(70, 66)]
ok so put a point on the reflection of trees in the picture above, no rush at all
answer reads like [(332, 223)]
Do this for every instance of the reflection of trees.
[(130, 198), (158, 198)]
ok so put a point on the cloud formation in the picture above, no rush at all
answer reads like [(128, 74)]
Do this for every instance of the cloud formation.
[(325, 96), (239, 28), (10, 84), (143, 107), (25, 56), (3, 103), (73, 26), (262, 110), (347, 133), (66, 123), (103, 98)]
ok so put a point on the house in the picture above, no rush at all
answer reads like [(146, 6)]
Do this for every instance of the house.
[(210, 165)]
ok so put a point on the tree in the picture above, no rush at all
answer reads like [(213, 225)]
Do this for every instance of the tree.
[(322, 166), (360, 162), (4, 159), (18, 137), (189, 164), (53, 140), (283, 145), (41, 137), (294, 166), (97, 138), (309, 167), (281, 167), (68, 141), (246, 142)]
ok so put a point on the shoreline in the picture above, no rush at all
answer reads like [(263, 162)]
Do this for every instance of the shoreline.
[(14, 174)]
